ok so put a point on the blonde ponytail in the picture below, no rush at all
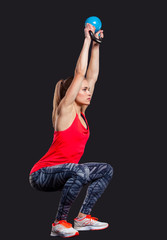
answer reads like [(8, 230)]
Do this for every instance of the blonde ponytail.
[(60, 91)]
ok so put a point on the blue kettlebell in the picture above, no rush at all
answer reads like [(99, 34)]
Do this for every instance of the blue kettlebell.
[(96, 22)]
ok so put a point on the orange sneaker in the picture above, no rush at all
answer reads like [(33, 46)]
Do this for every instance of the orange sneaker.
[(89, 223), (63, 229)]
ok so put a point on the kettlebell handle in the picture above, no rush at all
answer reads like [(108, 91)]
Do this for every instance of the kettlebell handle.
[(98, 40)]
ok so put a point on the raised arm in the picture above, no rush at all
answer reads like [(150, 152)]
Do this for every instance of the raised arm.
[(93, 68), (80, 70)]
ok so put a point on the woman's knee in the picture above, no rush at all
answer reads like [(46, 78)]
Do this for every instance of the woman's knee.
[(82, 172), (109, 169)]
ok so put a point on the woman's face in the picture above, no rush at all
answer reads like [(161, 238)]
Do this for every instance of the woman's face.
[(84, 95)]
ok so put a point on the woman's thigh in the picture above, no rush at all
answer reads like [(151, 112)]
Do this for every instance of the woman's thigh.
[(53, 178)]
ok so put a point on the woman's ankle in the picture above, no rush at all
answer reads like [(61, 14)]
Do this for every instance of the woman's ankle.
[(81, 215)]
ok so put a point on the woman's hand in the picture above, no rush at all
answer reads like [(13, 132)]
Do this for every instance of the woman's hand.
[(100, 32), (89, 27)]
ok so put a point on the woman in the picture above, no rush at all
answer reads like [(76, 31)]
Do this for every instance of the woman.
[(59, 168)]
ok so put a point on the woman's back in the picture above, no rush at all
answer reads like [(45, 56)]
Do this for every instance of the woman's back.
[(69, 139)]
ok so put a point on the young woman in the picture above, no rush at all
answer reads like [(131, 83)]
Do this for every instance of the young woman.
[(59, 168)]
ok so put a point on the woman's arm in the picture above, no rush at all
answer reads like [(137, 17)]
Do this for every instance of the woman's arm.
[(93, 68), (82, 62), (80, 69)]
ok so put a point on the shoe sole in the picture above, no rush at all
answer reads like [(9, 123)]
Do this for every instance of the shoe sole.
[(53, 234), (90, 228)]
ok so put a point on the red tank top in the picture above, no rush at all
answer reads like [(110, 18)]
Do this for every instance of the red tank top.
[(67, 146)]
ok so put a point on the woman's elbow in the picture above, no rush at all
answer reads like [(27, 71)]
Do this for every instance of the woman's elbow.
[(79, 72)]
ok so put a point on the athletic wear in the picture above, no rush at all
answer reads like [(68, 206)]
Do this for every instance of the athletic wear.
[(70, 178), (63, 229), (89, 223), (58, 169), (67, 146)]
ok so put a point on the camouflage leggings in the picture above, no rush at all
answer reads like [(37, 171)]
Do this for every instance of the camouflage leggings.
[(70, 178)]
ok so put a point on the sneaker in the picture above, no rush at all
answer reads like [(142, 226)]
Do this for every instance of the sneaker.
[(89, 223), (63, 229)]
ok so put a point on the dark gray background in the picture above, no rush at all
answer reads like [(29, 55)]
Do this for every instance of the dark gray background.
[(42, 42)]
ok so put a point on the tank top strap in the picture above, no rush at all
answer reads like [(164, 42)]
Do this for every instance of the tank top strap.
[(85, 119)]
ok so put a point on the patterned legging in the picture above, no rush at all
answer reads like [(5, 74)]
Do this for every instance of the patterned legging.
[(70, 178)]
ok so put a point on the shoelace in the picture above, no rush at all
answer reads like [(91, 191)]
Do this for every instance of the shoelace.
[(65, 223), (93, 218)]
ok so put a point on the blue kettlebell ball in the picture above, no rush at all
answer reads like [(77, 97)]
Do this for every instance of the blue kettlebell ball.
[(95, 21)]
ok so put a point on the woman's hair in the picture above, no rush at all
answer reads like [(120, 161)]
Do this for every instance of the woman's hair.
[(60, 91)]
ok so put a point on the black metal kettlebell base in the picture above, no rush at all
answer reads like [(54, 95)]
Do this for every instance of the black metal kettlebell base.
[(98, 40)]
